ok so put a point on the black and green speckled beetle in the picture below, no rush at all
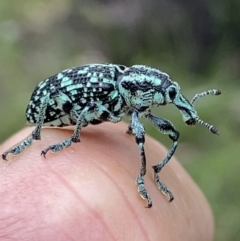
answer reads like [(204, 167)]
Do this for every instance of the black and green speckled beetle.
[(92, 94)]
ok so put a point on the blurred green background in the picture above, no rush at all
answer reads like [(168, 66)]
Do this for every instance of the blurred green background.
[(196, 42)]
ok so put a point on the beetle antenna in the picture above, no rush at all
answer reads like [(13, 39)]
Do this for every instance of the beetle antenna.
[(211, 128), (208, 92)]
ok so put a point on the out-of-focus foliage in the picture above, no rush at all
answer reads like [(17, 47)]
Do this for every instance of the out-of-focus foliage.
[(196, 42)]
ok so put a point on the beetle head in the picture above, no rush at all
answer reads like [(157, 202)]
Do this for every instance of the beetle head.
[(186, 108)]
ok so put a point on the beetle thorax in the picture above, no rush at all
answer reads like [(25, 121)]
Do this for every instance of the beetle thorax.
[(142, 87)]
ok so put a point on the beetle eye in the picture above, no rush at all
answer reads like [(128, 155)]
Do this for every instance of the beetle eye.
[(172, 93)]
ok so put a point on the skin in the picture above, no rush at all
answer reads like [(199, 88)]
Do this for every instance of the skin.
[(87, 191)]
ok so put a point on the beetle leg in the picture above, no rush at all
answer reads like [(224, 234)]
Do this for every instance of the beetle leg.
[(129, 130), (139, 132), (90, 112), (35, 134), (165, 127), (18, 149)]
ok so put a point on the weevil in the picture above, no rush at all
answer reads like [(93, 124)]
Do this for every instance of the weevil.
[(96, 93)]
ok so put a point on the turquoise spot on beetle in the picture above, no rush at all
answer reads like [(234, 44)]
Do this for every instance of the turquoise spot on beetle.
[(60, 76)]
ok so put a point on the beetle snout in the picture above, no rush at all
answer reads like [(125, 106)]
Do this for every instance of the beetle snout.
[(191, 122)]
